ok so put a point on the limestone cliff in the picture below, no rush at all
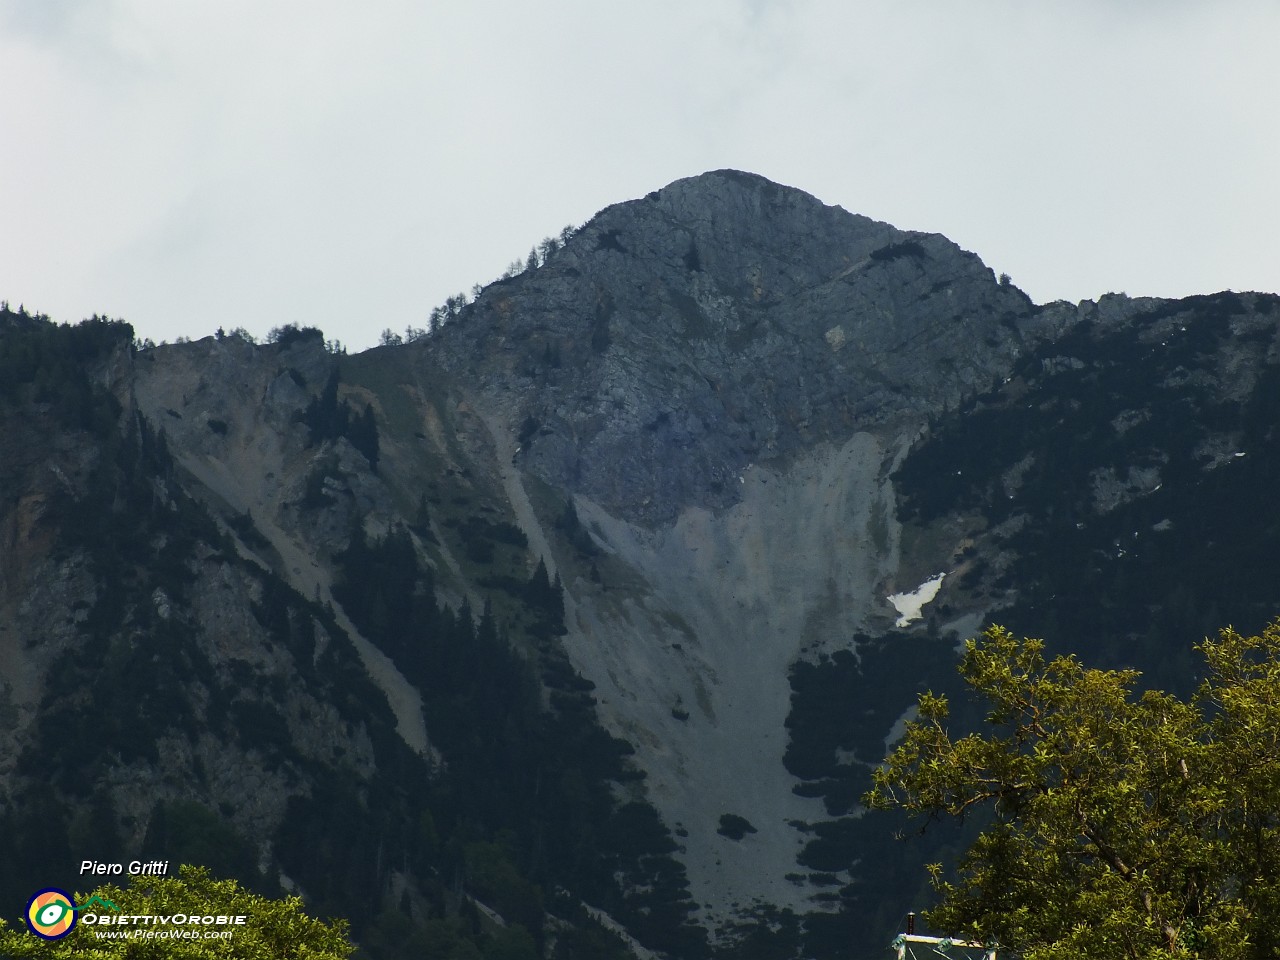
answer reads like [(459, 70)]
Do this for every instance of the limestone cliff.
[(723, 375)]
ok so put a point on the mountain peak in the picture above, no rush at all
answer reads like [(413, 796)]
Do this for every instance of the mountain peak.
[(720, 321), (727, 182), (729, 223)]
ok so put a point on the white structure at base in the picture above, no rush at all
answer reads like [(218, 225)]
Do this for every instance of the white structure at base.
[(939, 945)]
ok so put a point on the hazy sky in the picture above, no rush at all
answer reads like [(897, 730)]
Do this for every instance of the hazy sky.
[(186, 164)]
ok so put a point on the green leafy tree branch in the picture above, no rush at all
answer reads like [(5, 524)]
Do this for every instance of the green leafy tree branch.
[(1119, 823)]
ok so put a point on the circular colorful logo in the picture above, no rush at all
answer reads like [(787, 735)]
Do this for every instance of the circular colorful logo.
[(51, 914)]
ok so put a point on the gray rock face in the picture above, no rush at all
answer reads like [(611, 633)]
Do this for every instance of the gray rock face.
[(722, 375), (720, 322)]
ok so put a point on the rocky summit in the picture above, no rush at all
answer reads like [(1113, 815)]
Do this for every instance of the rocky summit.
[(575, 626), (720, 322)]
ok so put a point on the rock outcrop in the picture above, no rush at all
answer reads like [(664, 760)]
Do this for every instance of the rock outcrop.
[(719, 322), (722, 375)]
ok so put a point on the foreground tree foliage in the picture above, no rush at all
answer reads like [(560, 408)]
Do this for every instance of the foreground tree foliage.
[(274, 929), (1120, 824)]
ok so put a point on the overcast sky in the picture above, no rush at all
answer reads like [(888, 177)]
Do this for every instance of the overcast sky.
[(186, 164)]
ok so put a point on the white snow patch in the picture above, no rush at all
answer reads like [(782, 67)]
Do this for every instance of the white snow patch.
[(910, 604)]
